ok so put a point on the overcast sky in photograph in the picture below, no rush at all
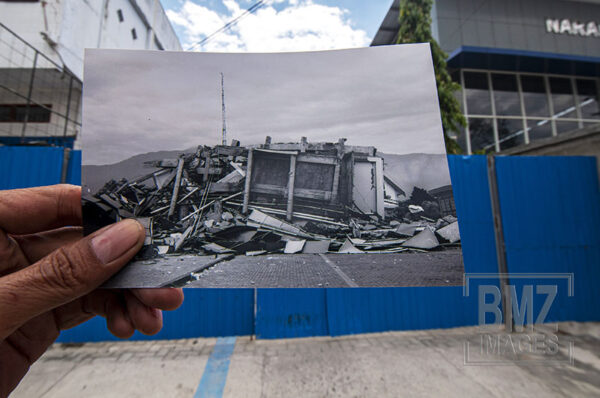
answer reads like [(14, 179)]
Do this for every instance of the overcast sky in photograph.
[(145, 101)]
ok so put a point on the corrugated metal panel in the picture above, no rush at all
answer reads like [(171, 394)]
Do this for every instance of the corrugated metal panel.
[(23, 167), (204, 313), (284, 313), (551, 216), (474, 210), (368, 310), (74, 170)]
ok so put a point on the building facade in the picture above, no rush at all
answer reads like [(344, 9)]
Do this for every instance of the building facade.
[(528, 69), (41, 59)]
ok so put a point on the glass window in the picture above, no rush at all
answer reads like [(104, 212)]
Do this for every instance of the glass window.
[(534, 95), (6, 113), (506, 94), (478, 94), (461, 140), (588, 98), (481, 132), (35, 114), (510, 133), (458, 96), (562, 97), (565, 127), (539, 129)]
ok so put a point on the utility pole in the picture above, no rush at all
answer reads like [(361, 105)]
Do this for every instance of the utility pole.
[(224, 141)]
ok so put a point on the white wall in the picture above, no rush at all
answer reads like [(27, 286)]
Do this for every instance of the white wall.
[(72, 25), (53, 91), (61, 30)]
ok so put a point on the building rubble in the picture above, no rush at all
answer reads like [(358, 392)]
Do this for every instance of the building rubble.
[(271, 198)]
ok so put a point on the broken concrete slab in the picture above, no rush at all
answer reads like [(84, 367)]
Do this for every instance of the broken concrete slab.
[(415, 209), (450, 232), (348, 248), (294, 246), (316, 246), (163, 249), (381, 243), (407, 229), (423, 240), (215, 248), (261, 220), (255, 253), (450, 219)]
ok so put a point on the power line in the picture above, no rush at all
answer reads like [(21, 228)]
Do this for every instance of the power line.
[(229, 24)]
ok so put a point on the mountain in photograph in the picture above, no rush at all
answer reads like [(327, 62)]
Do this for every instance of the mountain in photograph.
[(427, 171), (95, 176)]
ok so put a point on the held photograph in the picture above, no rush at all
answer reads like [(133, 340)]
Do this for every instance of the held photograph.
[(313, 169)]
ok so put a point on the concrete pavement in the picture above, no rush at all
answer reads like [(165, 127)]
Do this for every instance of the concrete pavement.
[(410, 363)]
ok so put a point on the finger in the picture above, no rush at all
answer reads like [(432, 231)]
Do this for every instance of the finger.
[(39, 245), (164, 299), (67, 273), (117, 320), (26, 211), (146, 319), (12, 257), (78, 311)]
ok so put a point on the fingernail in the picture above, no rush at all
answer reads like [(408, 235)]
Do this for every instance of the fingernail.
[(116, 240)]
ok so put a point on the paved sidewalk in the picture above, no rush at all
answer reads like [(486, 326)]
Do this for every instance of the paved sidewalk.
[(413, 363), (440, 268)]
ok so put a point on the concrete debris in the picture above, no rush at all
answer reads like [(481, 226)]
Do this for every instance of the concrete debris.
[(316, 246), (423, 240), (415, 209), (271, 198), (294, 246), (407, 229), (256, 253), (348, 247), (215, 248), (450, 232)]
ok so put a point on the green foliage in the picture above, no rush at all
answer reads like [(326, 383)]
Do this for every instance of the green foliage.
[(415, 27)]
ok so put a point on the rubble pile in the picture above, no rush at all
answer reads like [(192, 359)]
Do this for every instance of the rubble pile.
[(194, 204)]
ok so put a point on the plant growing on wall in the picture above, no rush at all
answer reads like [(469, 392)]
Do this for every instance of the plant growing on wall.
[(415, 27)]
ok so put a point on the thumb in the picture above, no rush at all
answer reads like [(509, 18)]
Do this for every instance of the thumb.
[(67, 273)]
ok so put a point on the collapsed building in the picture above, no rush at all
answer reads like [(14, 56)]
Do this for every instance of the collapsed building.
[(274, 197)]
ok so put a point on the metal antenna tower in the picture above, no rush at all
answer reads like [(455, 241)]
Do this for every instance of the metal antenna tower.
[(224, 141)]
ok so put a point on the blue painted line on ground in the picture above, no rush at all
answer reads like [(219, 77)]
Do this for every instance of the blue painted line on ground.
[(215, 373)]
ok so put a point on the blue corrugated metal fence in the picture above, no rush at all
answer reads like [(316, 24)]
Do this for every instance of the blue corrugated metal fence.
[(550, 210)]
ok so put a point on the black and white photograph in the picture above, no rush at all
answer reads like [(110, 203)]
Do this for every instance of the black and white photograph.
[(288, 170)]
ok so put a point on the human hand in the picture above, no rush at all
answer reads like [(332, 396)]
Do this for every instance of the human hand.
[(49, 277)]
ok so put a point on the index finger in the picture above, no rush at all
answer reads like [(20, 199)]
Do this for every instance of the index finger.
[(30, 210)]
